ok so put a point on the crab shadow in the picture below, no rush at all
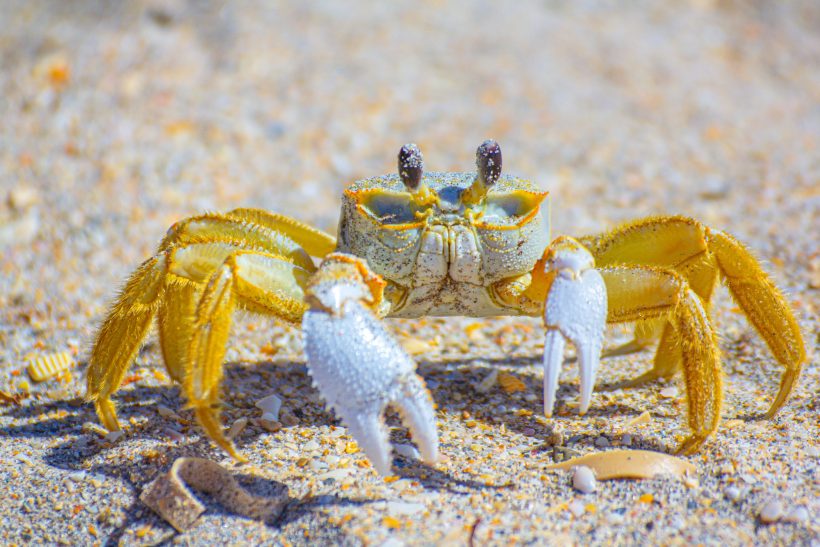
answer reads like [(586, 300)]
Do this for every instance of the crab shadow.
[(454, 387), (135, 465)]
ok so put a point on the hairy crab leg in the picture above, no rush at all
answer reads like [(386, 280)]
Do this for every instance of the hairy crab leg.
[(358, 366), (575, 310)]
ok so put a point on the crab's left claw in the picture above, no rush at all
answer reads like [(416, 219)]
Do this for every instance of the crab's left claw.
[(358, 366), (575, 310)]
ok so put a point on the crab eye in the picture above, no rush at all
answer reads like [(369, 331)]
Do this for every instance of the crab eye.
[(388, 208), (411, 166), (488, 162)]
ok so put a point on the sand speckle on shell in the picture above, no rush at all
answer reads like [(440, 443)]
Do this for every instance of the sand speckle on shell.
[(121, 118)]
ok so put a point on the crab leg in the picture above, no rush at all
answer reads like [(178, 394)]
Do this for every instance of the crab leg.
[(575, 310), (358, 366)]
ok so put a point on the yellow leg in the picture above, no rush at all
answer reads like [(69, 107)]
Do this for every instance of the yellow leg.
[(764, 306), (316, 242), (700, 255), (256, 281), (121, 335), (175, 321), (238, 233), (637, 293), (170, 284)]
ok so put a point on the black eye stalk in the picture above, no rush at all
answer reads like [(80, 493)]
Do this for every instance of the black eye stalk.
[(411, 166), (488, 162)]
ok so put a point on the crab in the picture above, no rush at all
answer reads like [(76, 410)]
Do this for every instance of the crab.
[(417, 244)]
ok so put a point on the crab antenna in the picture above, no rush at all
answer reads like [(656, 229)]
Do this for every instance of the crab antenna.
[(411, 166)]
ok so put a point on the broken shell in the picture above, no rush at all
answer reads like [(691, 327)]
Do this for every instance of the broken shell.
[(171, 499), (49, 366), (644, 418), (270, 407), (630, 464)]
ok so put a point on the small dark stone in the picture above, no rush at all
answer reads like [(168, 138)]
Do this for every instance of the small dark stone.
[(411, 166), (488, 162)]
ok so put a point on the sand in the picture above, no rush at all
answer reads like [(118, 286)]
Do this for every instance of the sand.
[(119, 119)]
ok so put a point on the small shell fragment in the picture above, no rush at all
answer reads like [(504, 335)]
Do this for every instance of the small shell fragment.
[(171, 499), (583, 480), (644, 418), (630, 464), (236, 428), (488, 382), (510, 383), (415, 346), (49, 366), (270, 407)]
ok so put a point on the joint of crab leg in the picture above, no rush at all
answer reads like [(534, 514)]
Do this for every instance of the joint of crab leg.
[(575, 310), (359, 368)]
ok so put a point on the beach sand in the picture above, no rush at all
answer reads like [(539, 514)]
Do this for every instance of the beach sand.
[(118, 119)]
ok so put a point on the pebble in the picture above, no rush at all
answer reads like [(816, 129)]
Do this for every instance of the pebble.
[(488, 382), (407, 451), (669, 392), (772, 511), (236, 428), (114, 436), (335, 474), (175, 435), (615, 518), (404, 508), (797, 514), (602, 442), (577, 508), (583, 480), (626, 439), (732, 493)]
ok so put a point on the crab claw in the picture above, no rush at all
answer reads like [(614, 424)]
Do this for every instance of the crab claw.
[(575, 310), (358, 366)]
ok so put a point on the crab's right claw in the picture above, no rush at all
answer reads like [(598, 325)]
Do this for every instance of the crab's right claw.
[(575, 310), (358, 366)]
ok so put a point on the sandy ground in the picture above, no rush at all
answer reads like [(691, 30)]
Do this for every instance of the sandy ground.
[(118, 121)]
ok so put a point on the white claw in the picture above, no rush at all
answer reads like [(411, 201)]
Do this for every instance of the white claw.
[(360, 368), (575, 311), (553, 359)]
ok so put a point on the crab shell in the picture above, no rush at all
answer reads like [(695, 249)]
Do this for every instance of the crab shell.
[(440, 253)]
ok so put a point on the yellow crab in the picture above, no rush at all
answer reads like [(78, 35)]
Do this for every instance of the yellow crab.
[(417, 244)]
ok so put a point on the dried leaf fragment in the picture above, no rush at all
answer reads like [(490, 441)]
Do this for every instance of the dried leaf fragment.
[(630, 464), (9, 399), (510, 383), (171, 499)]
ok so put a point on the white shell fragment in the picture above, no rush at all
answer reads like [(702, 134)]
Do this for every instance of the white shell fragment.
[(583, 480), (270, 407)]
